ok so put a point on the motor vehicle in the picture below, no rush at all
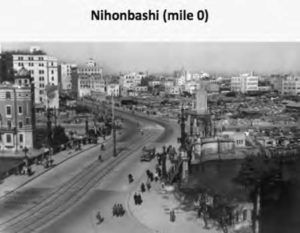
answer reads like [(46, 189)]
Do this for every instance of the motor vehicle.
[(148, 153)]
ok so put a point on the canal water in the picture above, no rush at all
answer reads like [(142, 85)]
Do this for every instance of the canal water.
[(280, 213)]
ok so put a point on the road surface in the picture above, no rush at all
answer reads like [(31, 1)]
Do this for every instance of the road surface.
[(67, 198)]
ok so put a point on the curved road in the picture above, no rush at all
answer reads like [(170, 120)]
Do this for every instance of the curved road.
[(67, 198)]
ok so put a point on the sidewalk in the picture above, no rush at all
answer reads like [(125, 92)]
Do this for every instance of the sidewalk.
[(154, 213), (14, 182)]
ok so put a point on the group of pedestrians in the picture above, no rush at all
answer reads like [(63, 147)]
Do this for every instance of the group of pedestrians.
[(137, 197), (118, 210)]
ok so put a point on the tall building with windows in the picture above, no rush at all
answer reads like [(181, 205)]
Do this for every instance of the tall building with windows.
[(17, 120), (244, 83), (65, 77), (87, 78), (43, 69), (290, 85), (128, 81)]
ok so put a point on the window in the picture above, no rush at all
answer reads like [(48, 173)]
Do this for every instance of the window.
[(20, 82), (52, 71), (30, 64), (41, 64), (41, 59), (42, 85), (9, 124), (41, 71), (41, 99), (27, 121), (7, 95), (41, 78), (30, 58), (8, 110), (21, 138), (20, 109), (20, 58), (8, 138), (41, 92), (52, 78), (239, 141), (26, 81), (20, 124)]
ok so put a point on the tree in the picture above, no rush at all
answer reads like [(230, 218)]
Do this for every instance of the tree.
[(257, 174), (59, 136)]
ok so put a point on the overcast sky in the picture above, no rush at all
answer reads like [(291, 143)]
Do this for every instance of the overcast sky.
[(166, 57)]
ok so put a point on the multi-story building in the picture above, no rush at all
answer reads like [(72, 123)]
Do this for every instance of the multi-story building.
[(179, 81), (176, 90), (43, 70), (17, 121), (113, 89), (64, 76), (129, 81), (87, 78), (244, 83), (140, 89), (290, 86), (154, 83)]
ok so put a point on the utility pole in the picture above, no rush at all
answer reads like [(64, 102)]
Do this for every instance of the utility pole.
[(113, 127), (49, 125), (182, 129)]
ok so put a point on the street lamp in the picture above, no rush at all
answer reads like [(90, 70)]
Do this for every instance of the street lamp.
[(113, 127), (182, 120)]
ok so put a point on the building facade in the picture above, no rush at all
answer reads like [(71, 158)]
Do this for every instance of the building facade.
[(64, 74), (129, 81), (244, 83), (17, 120), (87, 78), (290, 86), (44, 71), (113, 89)]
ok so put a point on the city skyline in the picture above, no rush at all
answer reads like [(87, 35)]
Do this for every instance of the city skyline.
[(156, 57)]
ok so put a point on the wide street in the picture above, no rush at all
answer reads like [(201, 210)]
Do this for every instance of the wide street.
[(67, 198)]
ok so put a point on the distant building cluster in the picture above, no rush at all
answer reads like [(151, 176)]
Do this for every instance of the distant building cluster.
[(33, 80)]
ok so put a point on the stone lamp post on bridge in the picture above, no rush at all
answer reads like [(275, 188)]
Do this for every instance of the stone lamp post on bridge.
[(184, 158)]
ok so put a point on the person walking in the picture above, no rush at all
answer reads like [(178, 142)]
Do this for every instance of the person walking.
[(114, 210), (148, 186), (99, 217), (151, 176), (122, 210), (130, 178), (172, 216), (143, 188), (139, 199), (135, 198)]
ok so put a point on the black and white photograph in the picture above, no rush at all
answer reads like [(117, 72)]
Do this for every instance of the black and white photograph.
[(149, 137), (147, 116)]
